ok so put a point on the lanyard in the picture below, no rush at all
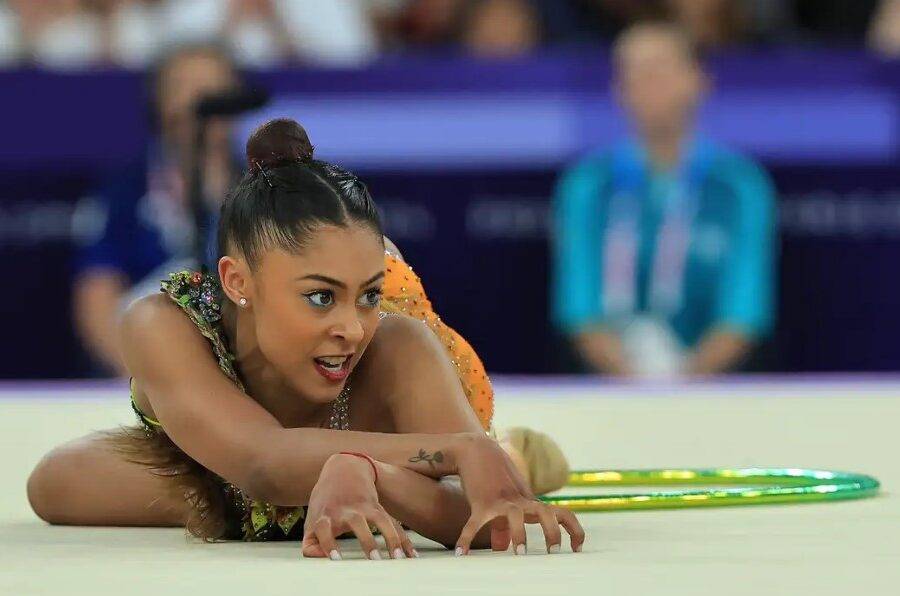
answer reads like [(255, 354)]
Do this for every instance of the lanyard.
[(630, 175)]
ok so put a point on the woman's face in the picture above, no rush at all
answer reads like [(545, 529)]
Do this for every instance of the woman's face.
[(315, 312), (658, 83), (184, 81)]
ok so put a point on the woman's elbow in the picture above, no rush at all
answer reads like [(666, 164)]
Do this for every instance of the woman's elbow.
[(258, 481), (267, 479)]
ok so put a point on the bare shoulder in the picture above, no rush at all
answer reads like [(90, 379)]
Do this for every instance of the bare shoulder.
[(401, 335), (416, 380), (382, 376), (401, 346), (154, 327), (153, 314)]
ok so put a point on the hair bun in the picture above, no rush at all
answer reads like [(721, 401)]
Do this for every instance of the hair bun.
[(278, 142)]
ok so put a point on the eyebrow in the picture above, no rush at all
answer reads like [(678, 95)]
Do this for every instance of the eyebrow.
[(340, 284)]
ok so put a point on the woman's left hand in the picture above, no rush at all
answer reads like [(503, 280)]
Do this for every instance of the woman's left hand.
[(345, 500)]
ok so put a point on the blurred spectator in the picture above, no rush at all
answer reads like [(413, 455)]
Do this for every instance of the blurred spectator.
[(59, 33), (884, 33), (10, 42), (145, 227), (75, 34), (263, 32), (709, 23), (501, 28), (66, 34), (483, 27), (429, 23), (663, 244), (131, 32)]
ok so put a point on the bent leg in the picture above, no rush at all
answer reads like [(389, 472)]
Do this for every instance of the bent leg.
[(85, 482)]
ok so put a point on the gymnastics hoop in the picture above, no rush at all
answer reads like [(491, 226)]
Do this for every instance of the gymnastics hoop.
[(757, 486)]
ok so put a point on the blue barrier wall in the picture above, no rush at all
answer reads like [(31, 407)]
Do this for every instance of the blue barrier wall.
[(462, 157)]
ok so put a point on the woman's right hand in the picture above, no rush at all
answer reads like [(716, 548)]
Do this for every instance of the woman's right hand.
[(345, 500), (498, 495)]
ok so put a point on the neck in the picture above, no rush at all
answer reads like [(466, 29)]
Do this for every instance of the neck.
[(664, 146), (261, 380)]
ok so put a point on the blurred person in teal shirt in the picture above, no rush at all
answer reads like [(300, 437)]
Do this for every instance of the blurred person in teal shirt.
[(663, 243)]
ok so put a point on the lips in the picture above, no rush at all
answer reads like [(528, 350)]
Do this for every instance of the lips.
[(333, 368)]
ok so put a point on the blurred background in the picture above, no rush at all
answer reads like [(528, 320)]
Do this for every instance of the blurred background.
[(477, 125)]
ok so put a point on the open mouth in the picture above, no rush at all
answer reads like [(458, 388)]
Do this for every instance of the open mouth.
[(334, 368)]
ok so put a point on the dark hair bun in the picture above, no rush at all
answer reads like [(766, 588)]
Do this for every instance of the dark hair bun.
[(278, 142)]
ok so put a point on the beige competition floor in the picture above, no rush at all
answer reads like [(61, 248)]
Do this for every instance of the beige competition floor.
[(822, 549)]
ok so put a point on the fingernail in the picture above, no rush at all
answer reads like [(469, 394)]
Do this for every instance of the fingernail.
[(520, 549), (577, 549), (399, 554), (375, 555), (554, 549), (334, 555), (458, 551), (415, 553)]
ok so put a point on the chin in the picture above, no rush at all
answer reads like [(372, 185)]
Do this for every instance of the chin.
[(316, 389)]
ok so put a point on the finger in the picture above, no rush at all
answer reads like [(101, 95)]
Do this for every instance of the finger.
[(467, 535), (573, 527), (520, 481), (325, 535), (516, 518), (388, 530), (360, 528), (311, 547), (405, 541), (550, 525), (500, 534)]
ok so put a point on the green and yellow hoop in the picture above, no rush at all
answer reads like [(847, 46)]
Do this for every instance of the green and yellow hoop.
[(756, 486)]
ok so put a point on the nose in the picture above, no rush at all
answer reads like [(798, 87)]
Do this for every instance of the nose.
[(349, 328)]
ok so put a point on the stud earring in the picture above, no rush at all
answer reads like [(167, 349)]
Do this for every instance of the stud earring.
[(242, 301)]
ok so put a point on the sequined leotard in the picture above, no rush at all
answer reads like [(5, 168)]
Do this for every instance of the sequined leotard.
[(199, 296)]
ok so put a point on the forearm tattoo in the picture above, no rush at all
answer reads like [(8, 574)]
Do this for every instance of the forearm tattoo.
[(438, 457)]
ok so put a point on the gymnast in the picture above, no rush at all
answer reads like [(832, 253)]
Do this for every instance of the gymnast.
[(305, 390)]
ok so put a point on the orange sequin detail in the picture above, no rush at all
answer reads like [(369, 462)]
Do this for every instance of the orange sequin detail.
[(404, 294)]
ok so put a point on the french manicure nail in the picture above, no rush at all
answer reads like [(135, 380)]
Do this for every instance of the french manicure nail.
[(458, 551), (399, 554), (375, 555), (577, 549), (415, 553), (520, 549), (553, 549), (334, 555)]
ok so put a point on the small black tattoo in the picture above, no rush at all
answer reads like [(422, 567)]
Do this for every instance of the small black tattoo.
[(438, 457)]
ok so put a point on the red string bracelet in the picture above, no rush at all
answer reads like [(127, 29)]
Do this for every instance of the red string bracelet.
[(366, 457)]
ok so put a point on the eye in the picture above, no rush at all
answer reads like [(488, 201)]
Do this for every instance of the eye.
[(321, 298), (371, 298)]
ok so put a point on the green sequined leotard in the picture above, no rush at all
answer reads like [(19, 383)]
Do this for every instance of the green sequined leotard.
[(199, 295)]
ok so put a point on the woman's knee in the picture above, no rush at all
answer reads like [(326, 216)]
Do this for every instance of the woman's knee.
[(86, 482)]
